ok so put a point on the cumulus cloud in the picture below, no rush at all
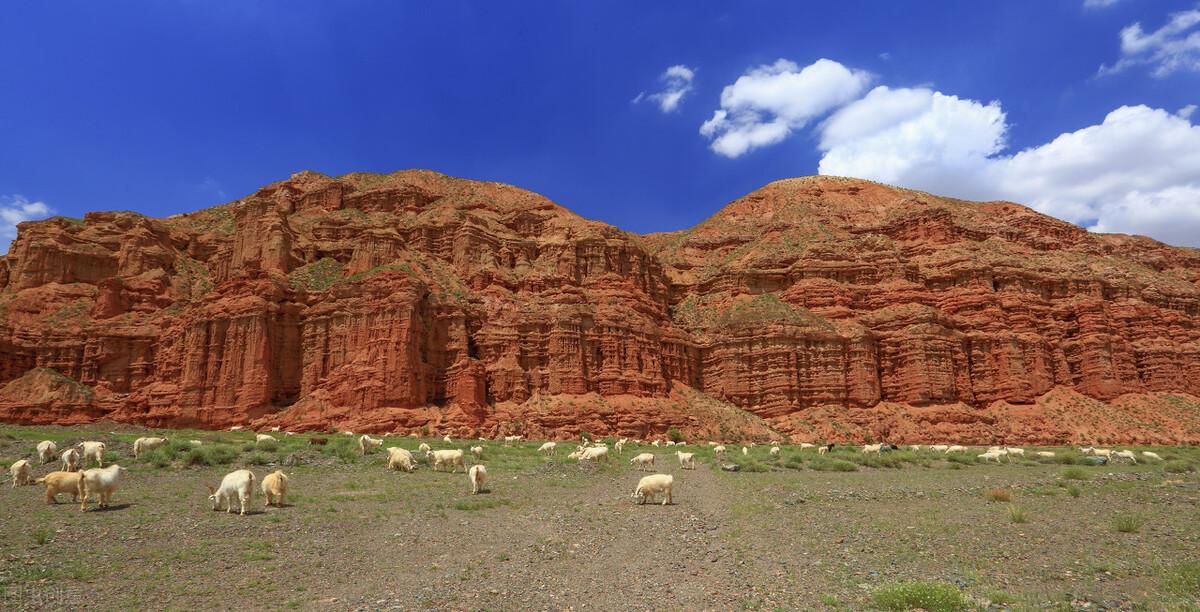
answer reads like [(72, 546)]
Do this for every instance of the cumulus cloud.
[(1137, 172), (1173, 47), (14, 210), (676, 82), (764, 105)]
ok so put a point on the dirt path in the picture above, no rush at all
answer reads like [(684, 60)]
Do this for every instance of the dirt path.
[(588, 547)]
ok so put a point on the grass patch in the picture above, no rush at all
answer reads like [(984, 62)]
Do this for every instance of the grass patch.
[(930, 596), (40, 536), (1178, 467), (823, 464), (1128, 523), (1183, 580), (210, 455), (1017, 514), (998, 495), (479, 503), (1075, 473), (1073, 491)]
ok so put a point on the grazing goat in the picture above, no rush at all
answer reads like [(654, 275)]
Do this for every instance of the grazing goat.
[(70, 460), (549, 448), (1015, 452), (871, 448), (101, 482), (687, 461), (774, 451), (1151, 455), (644, 461), (654, 484), (956, 449), (477, 451), (990, 455), (238, 484), (453, 458), (274, 487), (719, 451), (825, 448), (146, 444), (92, 450), (806, 446), (1102, 452), (1125, 454), (476, 474), (61, 482), (596, 453), (1045, 453), (939, 448), (423, 448), (446, 438), (22, 473), (46, 449), (400, 459), (260, 438), (365, 442), (508, 440), (745, 451)]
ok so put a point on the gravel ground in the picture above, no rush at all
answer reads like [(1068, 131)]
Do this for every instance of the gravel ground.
[(553, 535)]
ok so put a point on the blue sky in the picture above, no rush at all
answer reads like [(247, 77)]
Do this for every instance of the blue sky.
[(166, 107)]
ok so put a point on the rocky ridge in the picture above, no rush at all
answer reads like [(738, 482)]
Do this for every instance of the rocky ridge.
[(819, 307)]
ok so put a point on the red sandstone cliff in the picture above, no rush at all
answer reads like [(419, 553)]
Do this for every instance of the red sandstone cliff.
[(823, 307)]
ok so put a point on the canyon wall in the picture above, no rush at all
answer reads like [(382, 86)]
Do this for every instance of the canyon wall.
[(820, 307)]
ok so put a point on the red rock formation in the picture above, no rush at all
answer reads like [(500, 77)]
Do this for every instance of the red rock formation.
[(825, 307)]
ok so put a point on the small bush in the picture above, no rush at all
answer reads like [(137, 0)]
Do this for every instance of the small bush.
[(998, 495), (40, 535), (257, 458), (1073, 491), (1128, 523), (823, 464), (1017, 514), (931, 596), (1183, 580), (210, 455), (267, 447), (1178, 467), (960, 459), (1075, 473), (160, 457), (675, 435), (794, 462), (752, 465)]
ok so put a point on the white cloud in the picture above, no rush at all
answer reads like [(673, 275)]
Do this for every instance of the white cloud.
[(677, 82), (14, 210), (1093, 4), (1186, 112), (1173, 47), (1138, 171), (913, 137), (767, 103)]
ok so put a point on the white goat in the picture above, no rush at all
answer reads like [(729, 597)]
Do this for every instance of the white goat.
[(453, 458), (644, 461), (423, 448), (46, 449), (260, 438), (367, 442), (101, 482), (70, 459), (1151, 455), (654, 484), (549, 448), (1125, 454), (146, 444), (1015, 452), (719, 451), (596, 453), (956, 449), (774, 451), (687, 461), (477, 451), (990, 455), (476, 474), (274, 487), (239, 485), (400, 459), (1045, 453), (872, 448), (22, 473), (939, 448), (92, 450)]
